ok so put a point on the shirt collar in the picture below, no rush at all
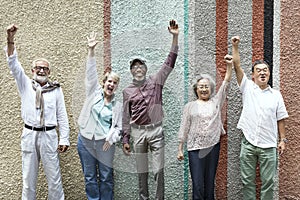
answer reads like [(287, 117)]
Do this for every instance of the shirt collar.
[(138, 83), (266, 89)]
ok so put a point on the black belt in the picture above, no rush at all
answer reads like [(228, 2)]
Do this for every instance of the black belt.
[(148, 126), (44, 128)]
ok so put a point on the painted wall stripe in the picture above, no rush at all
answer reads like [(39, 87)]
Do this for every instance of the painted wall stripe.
[(289, 180), (221, 51), (107, 35), (268, 35), (186, 89), (258, 53)]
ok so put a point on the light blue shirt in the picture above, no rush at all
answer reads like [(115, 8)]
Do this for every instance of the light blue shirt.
[(101, 118)]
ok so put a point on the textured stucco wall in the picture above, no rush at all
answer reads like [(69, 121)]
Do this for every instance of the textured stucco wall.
[(139, 28), (239, 23), (57, 30)]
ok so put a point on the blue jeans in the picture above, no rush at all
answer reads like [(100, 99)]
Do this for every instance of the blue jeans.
[(97, 168), (203, 166)]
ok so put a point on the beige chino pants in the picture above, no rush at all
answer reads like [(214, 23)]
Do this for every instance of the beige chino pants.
[(153, 140)]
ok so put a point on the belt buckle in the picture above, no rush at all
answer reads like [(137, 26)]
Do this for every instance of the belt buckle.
[(149, 126)]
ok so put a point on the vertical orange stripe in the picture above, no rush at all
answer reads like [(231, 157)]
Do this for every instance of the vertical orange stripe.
[(107, 36), (257, 53), (221, 51), (257, 30)]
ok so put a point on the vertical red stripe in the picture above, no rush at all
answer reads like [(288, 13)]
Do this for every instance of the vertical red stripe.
[(221, 51), (257, 30), (257, 53), (107, 36)]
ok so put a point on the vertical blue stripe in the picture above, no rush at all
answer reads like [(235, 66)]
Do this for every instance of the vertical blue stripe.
[(186, 89)]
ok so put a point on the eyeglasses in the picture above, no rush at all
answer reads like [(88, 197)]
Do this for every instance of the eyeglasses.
[(203, 87), (135, 67), (39, 68)]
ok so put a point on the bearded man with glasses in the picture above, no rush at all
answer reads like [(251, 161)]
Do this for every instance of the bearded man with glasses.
[(43, 108)]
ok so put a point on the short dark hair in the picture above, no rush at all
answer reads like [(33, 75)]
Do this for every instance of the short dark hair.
[(257, 62)]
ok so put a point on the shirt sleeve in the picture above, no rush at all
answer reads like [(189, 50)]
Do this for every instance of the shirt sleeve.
[(167, 66), (243, 83), (91, 78), (114, 134), (125, 118), (281, 112), (62, 119), (17, 71), (222, 93), (185, 124)]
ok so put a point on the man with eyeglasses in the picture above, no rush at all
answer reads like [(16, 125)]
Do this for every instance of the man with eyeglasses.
[(262, 120), (143, 116), (43, 108)]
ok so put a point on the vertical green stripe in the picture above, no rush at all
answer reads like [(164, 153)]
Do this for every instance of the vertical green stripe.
[(186, 86)]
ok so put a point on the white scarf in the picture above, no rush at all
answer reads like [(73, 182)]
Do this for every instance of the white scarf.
[(39, 100)]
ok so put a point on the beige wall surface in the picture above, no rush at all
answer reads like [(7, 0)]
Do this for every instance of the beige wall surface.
[(55, 30)]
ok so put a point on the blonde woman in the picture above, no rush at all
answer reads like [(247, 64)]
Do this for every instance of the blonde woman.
[(100, 124)]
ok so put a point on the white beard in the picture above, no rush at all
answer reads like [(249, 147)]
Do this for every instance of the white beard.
[(40, 79)]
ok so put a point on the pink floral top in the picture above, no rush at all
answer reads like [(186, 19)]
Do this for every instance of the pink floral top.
[(201, 125)]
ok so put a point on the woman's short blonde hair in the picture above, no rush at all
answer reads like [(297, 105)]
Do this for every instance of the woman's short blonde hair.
[(112, 75)]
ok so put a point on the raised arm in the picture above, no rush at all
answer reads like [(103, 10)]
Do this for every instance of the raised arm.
[(91, 79), (229, 62), (11, 31), (174, 30), (236, 59)]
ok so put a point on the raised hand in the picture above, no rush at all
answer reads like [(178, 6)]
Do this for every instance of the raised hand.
[(235, 40), (228, 59), (229, 62), (11, 31), (173, 28), (91, 40)]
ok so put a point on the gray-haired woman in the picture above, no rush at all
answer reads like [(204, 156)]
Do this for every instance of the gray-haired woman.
[(201, 128)]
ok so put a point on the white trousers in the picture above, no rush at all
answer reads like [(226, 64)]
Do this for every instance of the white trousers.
[(40, 146)]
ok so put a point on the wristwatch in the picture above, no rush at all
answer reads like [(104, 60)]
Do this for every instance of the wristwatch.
[(284, 140)]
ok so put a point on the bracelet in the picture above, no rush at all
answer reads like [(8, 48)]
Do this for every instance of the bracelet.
[(284, 140)]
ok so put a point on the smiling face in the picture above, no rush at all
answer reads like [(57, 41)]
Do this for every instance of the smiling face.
[(41, 71), (203, 89), (138, 70), (261, 75), (110, 85)]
